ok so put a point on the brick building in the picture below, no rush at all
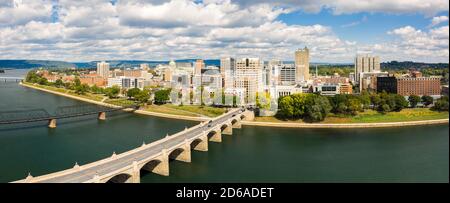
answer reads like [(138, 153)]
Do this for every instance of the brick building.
[(407, 86)]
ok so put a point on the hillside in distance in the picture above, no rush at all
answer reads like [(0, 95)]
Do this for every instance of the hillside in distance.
[(27, 64)]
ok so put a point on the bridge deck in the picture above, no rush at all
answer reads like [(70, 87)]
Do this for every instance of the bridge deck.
[(109, 165)]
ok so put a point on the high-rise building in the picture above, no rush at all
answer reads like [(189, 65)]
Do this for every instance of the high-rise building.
[(302, 64), (287, 74), (198, 66), (248, 75), (227, 69), (103, 69), (366, 64)]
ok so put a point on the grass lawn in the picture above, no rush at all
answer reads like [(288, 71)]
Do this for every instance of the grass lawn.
[(95, 97), (186, 110), (120, 102), (370, 116)]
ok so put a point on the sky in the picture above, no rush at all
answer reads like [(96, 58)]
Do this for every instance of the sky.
[(334, 30)]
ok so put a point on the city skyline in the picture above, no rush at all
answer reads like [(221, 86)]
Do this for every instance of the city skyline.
[(211, 29)]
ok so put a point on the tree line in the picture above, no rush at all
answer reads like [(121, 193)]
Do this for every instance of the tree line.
[(313, 107)]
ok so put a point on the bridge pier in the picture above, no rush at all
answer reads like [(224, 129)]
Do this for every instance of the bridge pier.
[(237, 125), (102, 116), (182, 154), (201, 145), (228, 130), (52, 123), (216, 137), (136, 174)]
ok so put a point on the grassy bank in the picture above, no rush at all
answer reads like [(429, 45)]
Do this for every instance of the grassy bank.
[(370, 116), (95, 97), (186, 110)]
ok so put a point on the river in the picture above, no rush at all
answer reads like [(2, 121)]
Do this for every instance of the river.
[(251, 154)]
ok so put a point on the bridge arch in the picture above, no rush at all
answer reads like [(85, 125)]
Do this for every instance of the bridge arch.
[(215, 136), (120, 178), (196, 143), (155, 166), (242, 116), (182, 153)]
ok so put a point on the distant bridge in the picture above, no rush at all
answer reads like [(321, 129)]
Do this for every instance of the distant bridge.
[(153, 157), (14, 79), (36, 115)]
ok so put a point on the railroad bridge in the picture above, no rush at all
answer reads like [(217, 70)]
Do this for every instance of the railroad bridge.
[(153, 157), (37, 115)]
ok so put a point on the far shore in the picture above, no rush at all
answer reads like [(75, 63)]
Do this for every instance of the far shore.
[(263, 123)]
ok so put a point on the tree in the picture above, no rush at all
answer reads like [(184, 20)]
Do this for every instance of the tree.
[(43, 81), (299, 104), (413, 100), (162, 96), (81, 89), (317, 108), (384, 108), (400, 102), (354, 106), (131, 93), (97, 90), (142, 96), (427, 100), (286, 107), (59, 83), (112, 92), (441, 104), (77, 81), (375, 99)]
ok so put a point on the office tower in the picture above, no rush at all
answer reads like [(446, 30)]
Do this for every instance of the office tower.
[(103, 69), (227, 69), (302, 64), (366, 64), (248, 75), (198, 66), (287, 74)]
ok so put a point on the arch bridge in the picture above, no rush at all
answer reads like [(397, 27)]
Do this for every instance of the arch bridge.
[(153, 157)]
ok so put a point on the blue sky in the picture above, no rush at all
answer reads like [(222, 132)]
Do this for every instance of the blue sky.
[(334, 30), (353, 27)]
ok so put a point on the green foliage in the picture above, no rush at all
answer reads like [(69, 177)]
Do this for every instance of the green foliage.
[(310, 107), (81, 89), (427, 100), (97, 90), (441, 104), (59, 83), (131, 93), (142, 96), (112, 92), (286, 107), (414, 100), (162, 96)]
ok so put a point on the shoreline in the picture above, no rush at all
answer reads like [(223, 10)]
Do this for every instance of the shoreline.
[(262, 124), (141, 112)]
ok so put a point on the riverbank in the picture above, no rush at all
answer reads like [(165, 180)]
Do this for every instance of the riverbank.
[(142, 112), (271, 121), (347, 125)]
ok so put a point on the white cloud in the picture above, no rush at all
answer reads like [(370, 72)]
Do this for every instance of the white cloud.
[(169, 29), (438, 20), (20, 12), (428, 8)]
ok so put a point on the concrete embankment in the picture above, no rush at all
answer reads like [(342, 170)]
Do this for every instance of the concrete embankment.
[(264, 124), (346, 125)]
